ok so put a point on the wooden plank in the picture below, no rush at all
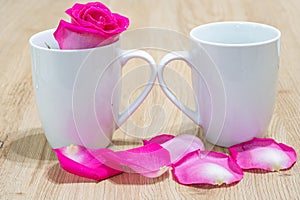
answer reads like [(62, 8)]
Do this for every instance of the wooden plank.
[(29, 168)]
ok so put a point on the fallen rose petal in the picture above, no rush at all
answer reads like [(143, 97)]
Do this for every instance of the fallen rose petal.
[(207, 167), (181, 145), (160, 139), (263, 153), (178, 146), (83, 162), (150, 160)]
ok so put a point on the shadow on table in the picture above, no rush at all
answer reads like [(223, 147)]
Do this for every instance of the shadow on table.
[(57, 175), (33, 146), (136, 179), (211, 187)]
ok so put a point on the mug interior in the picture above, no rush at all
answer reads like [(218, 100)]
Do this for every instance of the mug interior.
[(235, 33), (44, 39)]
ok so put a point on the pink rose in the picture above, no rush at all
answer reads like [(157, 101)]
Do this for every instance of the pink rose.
[(92, 25)]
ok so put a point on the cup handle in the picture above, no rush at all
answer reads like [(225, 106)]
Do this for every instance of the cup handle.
[(125, 56), (177, 55)]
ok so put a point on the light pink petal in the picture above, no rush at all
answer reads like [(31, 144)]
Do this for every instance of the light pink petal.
[(160, 139), (83, 162), (182, 145), (207, 167), (150, 160), (178, 146), (263, 153), (70, 36)]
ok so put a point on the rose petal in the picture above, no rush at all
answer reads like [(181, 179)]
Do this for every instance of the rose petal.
[(207, 167), (78, 11), (178, 146), (160, 139), (70, 36), (150, 160), (263, 153), (182, 145), (83, 162), (78, 8)]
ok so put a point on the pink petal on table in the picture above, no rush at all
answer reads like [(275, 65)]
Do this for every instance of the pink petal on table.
[(182, 145), (150, 160), (83, 162), (207, 167), (263, 153), (72, 36), (160, 139), (178, 146)]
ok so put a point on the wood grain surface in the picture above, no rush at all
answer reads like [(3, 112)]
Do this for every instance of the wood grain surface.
[(30, 170)]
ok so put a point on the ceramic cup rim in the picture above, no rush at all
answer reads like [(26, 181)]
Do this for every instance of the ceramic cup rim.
[(221, 44), (44, 48)]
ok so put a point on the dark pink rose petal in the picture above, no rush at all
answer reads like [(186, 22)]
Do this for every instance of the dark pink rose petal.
[(97, 19), (160, 139), (78, 10), (83, 162), (207, 167), (263, 153), (178, 146), (119, 25), (70, 36), (150, 160)]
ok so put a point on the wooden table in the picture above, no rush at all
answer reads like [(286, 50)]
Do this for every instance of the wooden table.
[(30, 170)]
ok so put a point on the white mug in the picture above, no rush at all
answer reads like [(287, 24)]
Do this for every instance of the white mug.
[(234, 69), (77, 91)]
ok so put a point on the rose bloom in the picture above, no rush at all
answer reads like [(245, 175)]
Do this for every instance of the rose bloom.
[(92, 25)]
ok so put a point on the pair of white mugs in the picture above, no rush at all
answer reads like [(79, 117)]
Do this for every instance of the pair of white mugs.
[(234, 72)]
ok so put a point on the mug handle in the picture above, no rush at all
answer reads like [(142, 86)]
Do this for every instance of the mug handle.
[(177, 55), (125, 56)]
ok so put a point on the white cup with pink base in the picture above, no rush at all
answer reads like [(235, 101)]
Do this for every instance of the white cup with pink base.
[(78, 92)]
